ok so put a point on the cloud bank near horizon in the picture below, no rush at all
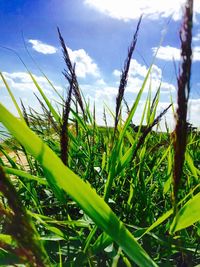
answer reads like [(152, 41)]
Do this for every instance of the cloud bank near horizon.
[(131, 9)]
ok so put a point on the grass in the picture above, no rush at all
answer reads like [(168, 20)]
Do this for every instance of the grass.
[(100, 196)]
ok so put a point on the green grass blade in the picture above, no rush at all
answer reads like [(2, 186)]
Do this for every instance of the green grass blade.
[(116, 149), (8, 158), (12, 97), (167, 214), (159, 221), (187, 215), (167, 184), (101, 243), (51, 108), (80, 191), (24, 174), (195, 172)]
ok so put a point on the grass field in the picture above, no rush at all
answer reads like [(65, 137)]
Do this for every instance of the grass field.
[(77, 194)]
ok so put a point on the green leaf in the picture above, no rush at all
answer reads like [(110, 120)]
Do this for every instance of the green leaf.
[(158, 222), (167, 214), (101, 243), (187, 215), (7, 239)]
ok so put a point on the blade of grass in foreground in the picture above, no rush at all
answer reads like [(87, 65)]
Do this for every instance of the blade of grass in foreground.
[(187, 215), (80, 191)]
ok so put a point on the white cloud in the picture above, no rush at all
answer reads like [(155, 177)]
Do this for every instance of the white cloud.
[(103, 94), (132, 9), (107, 93), (136, 69), (84, 63), (137, 74), (169, 53), (21, 81), (116, 73), (194, 111), (100, 82), (156, 73), (196, 38), (23, 88), (42, 47), (196, 55)]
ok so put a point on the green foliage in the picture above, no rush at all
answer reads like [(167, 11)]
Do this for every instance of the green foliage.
[(139, 193)]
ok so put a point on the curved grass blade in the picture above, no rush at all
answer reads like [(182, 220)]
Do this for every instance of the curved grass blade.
[(12, 96), (167, 214), (51, 108), (63, 178), (187, 215), (24, 174)]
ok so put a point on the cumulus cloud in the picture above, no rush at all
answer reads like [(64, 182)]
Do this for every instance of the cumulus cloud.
[(137, 74), (23, 88), (41, 47), (196, 38), (100, 93), (116, 73), (132, 9), (196, 53), (21, 81), (100, 82), (85, 65), (136, 69), (169, 53), (194, 111)]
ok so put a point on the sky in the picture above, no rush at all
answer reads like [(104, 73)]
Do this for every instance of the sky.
[(97, 34)]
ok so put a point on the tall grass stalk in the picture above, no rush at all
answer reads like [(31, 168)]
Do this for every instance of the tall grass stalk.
[(180, 133), (69, 73), (64, 138), (124, 75)]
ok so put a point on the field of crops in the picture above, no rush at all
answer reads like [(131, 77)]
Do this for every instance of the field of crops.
[(73, 193)]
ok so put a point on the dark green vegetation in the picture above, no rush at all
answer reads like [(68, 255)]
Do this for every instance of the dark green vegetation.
[(50, 213)]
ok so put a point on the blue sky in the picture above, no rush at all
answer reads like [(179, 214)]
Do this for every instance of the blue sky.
[(97, 34)]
